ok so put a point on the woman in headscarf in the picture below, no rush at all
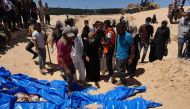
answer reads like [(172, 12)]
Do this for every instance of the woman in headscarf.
[(92, 58), (161, 39)]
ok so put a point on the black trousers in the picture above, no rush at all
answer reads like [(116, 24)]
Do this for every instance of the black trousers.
[(29, 47), (109, 58), (47, 19), (131, 68), (10, 19)]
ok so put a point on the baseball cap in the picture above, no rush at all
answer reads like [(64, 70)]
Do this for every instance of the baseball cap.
[(68, 31)]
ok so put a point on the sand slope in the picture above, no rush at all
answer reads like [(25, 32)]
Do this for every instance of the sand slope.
[(167, 81)]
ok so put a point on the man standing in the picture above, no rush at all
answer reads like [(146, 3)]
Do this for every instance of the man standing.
[(40, 38), (30, 44), (41, 11), (183, 29), (46, 12), (33, 11), (85, 31), (145, 31), (109, 45), (64, 48), (56, 34), (77, 53), (9, 14), (124, 44)]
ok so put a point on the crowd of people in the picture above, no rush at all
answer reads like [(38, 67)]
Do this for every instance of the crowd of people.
[(119, 44), (16, 14)]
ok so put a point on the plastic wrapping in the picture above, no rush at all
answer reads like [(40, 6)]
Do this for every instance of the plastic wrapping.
[(55, 92)]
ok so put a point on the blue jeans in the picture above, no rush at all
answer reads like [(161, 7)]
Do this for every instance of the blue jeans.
[(121, 68), (181, 42), (42, 57)]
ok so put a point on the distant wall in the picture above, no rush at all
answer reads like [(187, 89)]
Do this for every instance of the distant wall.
[(61, 11)]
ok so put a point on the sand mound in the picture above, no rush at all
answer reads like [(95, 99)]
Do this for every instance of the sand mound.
[(131, 18)]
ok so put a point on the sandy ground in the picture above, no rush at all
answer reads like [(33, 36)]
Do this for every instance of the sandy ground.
[(167, 81)]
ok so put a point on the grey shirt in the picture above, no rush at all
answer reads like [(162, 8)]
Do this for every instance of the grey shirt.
[(182, 29), (40, 38)]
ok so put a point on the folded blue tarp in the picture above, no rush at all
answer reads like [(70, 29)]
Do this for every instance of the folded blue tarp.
[(56, 94)]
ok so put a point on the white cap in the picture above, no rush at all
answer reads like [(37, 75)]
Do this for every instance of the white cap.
[(68, 31)]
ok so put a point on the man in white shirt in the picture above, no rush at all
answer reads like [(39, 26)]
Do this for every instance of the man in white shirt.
[(77, 53), (183, 29), (39, 38)]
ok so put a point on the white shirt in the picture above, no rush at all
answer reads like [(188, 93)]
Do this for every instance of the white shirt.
[(41, 10), (40, 38), (182, 28), (109, 35), (77, 49)]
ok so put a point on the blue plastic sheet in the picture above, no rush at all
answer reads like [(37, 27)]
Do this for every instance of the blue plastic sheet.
[(7, 101), (56, 94)]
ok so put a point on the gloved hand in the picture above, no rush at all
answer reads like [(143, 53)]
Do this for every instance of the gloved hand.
[(51, 50)]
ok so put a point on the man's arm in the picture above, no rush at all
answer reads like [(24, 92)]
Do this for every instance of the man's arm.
[(140, 31), (35, 41), (131, 55), (64, 65), (152, 32), (108, 39), (168, 36), (132, 47)]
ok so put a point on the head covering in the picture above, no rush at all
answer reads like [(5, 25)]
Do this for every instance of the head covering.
[(68, 31)]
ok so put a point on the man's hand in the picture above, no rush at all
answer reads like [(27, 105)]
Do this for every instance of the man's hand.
[(130, 61), (87, 59)]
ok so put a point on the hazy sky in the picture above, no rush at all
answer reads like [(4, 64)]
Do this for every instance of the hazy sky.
[(94, 4)]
